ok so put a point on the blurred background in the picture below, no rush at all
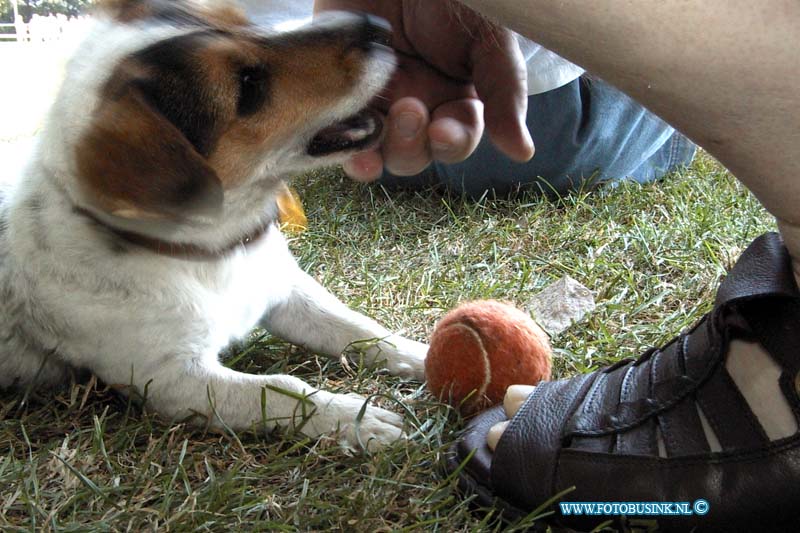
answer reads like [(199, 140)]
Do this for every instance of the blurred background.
[(36, 38)]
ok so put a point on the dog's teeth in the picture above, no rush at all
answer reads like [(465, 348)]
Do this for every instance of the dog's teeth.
[(357, 134), (346, 135)]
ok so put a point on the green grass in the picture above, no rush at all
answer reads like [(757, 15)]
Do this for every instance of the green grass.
[(87, 459)]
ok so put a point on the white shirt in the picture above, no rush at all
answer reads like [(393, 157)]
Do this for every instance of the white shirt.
[(546, 70)]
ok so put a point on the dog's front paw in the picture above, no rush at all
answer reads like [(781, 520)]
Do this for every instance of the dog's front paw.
[(405, 358), (341, 414)]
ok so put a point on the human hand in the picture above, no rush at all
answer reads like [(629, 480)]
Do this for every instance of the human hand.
[(455, 71)]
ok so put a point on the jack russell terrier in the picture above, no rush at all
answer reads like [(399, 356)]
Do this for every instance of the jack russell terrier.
[(142, 237)]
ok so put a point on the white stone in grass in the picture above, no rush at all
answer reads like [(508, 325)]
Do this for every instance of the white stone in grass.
[(561, 304)]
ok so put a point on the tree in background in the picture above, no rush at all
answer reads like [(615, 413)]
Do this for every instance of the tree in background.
[(28, 8), (6, 11)]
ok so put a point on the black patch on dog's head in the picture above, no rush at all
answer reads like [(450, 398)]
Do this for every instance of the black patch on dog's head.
[(175, 88)]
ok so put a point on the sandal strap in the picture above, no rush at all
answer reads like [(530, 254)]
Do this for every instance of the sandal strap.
[(764, 269), (774, 323), (735, 425), (657, 382), (680, 429)]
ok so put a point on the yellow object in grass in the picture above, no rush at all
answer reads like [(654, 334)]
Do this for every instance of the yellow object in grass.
[(291, 216)]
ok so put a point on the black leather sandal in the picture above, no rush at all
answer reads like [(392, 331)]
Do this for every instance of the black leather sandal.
[(599, 432)]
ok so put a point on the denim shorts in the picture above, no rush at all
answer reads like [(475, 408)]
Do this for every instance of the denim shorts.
[(586, 133)]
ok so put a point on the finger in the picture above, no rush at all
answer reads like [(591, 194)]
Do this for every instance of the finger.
[(495, 432), (405, 147), (515, 397), (364, 166), (502, 83), (417, 79), (456, 129)]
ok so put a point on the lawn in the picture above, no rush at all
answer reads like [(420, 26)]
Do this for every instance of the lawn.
[(87, 459)]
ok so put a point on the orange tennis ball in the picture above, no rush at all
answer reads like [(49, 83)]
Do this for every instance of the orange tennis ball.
[(480, 348)]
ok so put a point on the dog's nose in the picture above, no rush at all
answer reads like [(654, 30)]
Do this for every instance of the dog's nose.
[(374, 31), (351, 30)]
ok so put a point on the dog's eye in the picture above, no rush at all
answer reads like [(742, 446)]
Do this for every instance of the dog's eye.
[(253, 89)]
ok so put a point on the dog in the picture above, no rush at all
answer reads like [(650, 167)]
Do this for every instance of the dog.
[(141, 239)]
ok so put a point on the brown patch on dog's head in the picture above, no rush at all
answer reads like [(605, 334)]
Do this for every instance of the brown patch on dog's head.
[(187, 118), (139, 165)]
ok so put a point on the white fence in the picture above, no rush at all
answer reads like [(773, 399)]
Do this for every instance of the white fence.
[(43, 29), (8, 36)]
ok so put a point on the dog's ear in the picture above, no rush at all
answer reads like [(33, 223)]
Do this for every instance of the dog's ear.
[(136, 164)]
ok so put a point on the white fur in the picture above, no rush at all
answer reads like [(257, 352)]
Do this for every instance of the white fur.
[(158, 323)]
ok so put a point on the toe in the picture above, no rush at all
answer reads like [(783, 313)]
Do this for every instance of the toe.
[(405, 357), (496, 431), (382, 428), (515, 396), (388, 417)]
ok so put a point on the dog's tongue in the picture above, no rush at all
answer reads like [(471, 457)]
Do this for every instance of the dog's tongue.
[(353, 133)]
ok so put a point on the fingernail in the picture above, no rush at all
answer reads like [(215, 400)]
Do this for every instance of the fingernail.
[(408, 125), (440, 147), (515, 397), (530, 146)]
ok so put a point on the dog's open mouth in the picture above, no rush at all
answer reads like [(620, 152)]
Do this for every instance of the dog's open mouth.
[(353, 133)]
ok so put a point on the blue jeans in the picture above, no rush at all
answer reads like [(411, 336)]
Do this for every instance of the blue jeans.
[(586, 133)]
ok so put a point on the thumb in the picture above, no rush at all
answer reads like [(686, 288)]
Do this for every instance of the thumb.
[(501, 81)]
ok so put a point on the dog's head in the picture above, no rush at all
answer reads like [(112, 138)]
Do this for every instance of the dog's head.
[(180, 115)]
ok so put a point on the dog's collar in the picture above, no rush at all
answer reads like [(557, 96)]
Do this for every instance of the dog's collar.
[(177, 249)]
